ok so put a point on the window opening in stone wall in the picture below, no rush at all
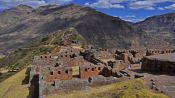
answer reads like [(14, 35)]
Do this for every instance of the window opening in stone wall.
[(59, 72), (51, 73)]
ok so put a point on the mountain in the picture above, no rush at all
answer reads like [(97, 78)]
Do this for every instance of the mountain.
[(161, 26), (20, 25), (11, 16)]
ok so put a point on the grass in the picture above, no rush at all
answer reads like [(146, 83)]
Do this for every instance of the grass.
[(13, 88), (75, 70), (4, 76), (128, 89)]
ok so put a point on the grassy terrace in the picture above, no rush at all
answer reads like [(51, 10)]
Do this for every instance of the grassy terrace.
[(13, 87), (127, 89)]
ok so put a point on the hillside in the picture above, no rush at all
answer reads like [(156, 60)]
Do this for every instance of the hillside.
[(13, 87), (22, 57), (160, 26), (20, 25), (40, 45)]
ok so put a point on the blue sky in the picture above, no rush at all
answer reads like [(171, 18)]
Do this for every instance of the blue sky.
[(129, 10)]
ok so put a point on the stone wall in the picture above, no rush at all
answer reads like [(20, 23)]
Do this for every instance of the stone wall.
[(130, 56), (157, 51), (90, 71), (70, 62), (52, 74), (153, 65)]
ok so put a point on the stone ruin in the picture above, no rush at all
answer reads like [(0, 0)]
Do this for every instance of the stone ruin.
[(74, 68), (130, 56), (162, 63), (72, 64)]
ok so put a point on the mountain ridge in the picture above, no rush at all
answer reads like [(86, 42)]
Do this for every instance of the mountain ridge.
[(159, 26), (99, 29)]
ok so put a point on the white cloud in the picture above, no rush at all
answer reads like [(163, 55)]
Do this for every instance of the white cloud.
[(117, 1), (171, 7), (4, 4), (160, 8), (131, 16), (147, 4), (134, 20), (59, 2), (107, 4), (142, 5), (133, 4)]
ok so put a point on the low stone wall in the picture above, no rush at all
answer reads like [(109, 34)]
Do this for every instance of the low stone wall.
[(76, 84)]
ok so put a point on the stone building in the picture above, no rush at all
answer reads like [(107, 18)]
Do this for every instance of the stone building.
[(159, 63)]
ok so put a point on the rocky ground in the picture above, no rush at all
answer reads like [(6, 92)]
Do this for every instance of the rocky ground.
[(163, 83)]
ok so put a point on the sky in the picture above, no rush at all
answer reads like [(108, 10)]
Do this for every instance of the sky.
[(129, 10)]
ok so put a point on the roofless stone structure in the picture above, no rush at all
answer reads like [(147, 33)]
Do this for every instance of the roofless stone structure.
[(159, 63)]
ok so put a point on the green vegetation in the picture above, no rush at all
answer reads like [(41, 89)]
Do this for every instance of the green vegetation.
[(22, 57), (4, 76), (128, 89), (41, 45), (13, 87)]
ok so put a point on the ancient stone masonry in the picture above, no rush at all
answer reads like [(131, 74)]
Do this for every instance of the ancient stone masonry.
[(103, 53), (87, 71), (158, 51), (77, 68), (130, 56), (51, 74), (159, 63)]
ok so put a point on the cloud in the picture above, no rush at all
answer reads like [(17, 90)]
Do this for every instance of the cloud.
[(134, 20), (171, 7), (131, 18), (147, 4), (161, 8), (132, 4), (58, 2), (5, 4), (107, 4)]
